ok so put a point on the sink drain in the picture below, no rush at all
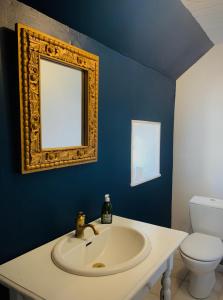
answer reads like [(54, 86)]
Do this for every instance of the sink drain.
[(98, 265)]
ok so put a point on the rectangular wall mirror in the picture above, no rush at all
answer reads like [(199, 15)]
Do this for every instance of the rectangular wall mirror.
[(58, 102)]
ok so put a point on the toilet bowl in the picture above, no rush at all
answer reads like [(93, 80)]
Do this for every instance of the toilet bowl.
[(201, 254)]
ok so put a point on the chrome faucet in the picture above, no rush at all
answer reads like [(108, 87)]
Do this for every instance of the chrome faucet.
[(80, 225)]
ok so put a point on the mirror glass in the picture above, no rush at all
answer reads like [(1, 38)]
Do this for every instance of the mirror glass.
[(61, 105)]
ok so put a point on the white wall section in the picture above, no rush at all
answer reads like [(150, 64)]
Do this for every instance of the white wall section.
[(198, 135)]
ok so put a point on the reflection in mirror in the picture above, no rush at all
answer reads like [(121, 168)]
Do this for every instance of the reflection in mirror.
[(61, 96)]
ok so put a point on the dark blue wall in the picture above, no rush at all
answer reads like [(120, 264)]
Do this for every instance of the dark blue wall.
[(38, 207)]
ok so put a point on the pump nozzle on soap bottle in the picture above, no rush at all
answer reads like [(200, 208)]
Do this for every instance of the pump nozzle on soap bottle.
[(106, 212)]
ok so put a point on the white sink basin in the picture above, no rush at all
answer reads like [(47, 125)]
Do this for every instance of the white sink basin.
[(115, 249)]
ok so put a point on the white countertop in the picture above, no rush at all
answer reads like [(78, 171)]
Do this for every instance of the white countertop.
[(35, 275)]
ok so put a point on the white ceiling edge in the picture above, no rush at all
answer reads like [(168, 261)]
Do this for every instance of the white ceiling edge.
[(209, 14)]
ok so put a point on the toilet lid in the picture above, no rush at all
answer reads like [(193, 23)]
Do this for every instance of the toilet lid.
[(202, 247)]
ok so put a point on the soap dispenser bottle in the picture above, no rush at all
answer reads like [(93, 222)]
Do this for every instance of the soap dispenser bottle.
[(106, 212)]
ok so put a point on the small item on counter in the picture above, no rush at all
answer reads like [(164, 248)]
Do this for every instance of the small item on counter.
[(106, 212)]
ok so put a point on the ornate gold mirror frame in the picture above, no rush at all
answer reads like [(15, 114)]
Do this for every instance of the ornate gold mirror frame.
[(32, 45)]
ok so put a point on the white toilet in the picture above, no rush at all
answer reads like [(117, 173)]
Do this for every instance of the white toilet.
[(202, 251)]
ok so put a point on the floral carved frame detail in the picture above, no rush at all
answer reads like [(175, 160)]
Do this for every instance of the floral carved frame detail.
[(32, 45)]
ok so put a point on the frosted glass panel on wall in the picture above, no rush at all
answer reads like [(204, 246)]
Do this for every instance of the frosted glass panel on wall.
[(145, 151)]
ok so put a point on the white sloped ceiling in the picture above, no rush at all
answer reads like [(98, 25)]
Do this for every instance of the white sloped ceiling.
[(209, 14)]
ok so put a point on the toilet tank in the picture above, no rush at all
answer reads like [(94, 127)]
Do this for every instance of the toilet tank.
[(207, 215)]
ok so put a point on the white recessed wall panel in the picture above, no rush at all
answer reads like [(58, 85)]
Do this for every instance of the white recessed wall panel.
[(145, 151)]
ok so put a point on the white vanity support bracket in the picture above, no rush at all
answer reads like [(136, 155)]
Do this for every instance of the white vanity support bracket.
[(165, 271), (165, 292), (14, 295)]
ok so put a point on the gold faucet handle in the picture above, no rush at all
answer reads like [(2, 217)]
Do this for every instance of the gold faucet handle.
[(80, 220), (80, 213)]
